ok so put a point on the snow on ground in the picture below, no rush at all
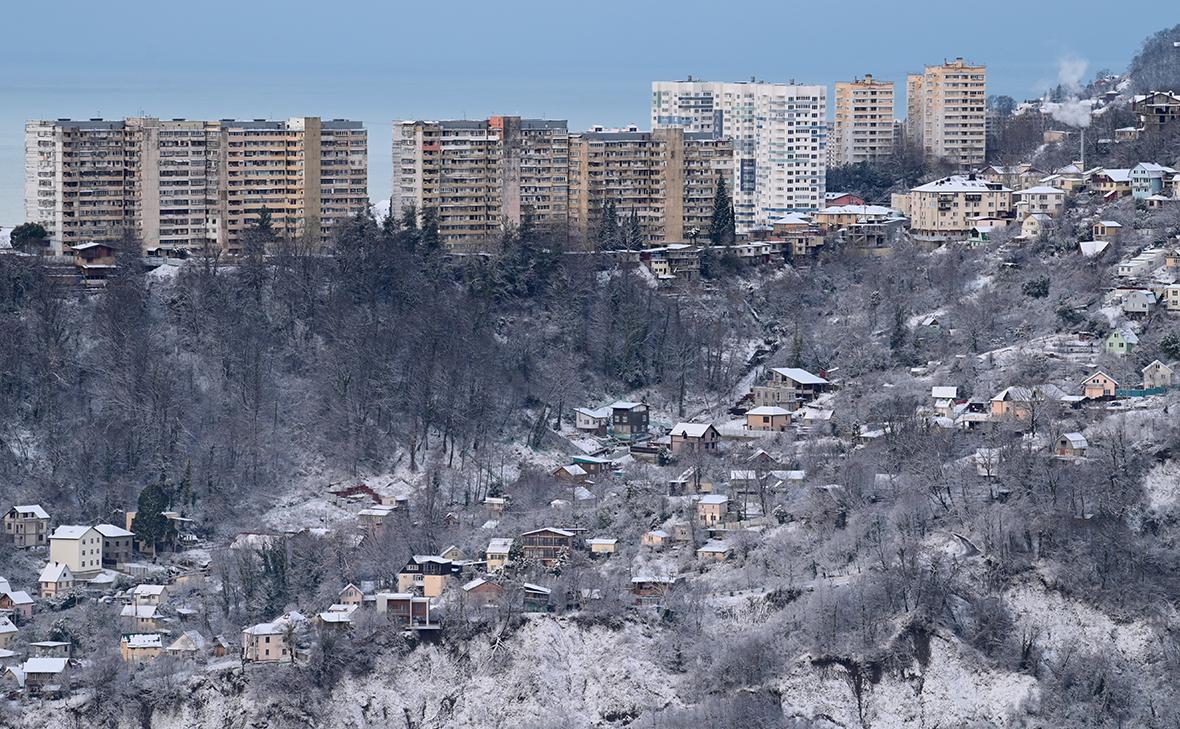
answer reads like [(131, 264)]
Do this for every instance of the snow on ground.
[(1065, 624), (1162, 487)]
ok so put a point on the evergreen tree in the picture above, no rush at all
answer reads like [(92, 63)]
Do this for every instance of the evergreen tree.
[(633, 233), (608, 228), (151, 527), (409, 228), (29, 236), (429, 237), (722, 230)]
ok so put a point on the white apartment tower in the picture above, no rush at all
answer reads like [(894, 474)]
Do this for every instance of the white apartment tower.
[(779, 137), (946, 112), (862, 130)]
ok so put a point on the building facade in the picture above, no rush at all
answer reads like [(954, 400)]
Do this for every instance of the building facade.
[(479, 176), (181, 186), (779, 137), (947, 112), (862, 130), (949, 207)]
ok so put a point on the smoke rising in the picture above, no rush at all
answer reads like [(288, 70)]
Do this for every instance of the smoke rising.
[(1073, 111)]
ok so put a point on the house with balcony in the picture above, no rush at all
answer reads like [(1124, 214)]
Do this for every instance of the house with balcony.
[(427, 575), (547, 545), (26, 526), (1148, 179), (1040, 199)]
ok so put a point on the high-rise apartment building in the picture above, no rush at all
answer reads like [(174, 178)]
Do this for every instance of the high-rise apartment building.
[(862, 130), (183, 185), (779, 137), (479, 176), (667, 178), (947, 112)]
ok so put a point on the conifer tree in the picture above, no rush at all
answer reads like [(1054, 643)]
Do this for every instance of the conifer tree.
[(722, 225)]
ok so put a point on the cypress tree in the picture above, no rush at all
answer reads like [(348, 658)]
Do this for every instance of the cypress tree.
[(722, 225)]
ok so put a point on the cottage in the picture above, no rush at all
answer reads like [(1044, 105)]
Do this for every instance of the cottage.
[(768, 417), (374, 520), (190, 643), (1106, 229), (573, 472), (818, 421), (496, 555), (1138, 303), (602, 546), (1156, 374), (147, 594), (26, 526), (77, 547), (1071, 445), (1120, 342), (42, 674), (117, 544), (1099, 385), (56, 579), (336, 617), (536, 598), (807, 385), (140, 618), (267, 643), (694, 438), (140, 646), (655, 538), (481, 593), (547, 545), (593, 420), (1111, 184), (19, 602), (7, 631), (628, 419), (592, 464), (714, 550), (426, 575), (712, 508), (52, 648), (1036, 225), (943, 398), (350, 594), (650, 589)]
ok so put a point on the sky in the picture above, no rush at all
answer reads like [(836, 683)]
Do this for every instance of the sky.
[(586, 62)]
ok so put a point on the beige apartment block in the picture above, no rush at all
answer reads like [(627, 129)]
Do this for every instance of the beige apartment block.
[(951, 206), (947, 110), (667, 177), (182, 186), (483, 175), (862, 130)]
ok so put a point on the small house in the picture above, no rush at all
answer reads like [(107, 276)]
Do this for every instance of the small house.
[(41, 674), (943, 398), (572, 472), (714, 550), (628, 419), (496, 555), (1036, 225), (535, 598), (602, 546), (1099, 385), (650, 589), (1156, 374), (7, 631), (26, 526), (712, 508), (147, 594), (694, 438), (1106, 229), (1071, 445), (1120, 342), (117, 544), (426, 575), (55, 580), (595, 421), (77, 547), (140, 618), (409, 611), (351, 595), (19, 602), (1138, 303), (768, 417), (481, 593), (140, 646), (656, 538)]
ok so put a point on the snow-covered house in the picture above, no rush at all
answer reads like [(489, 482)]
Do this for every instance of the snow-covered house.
[(55, 579), (1099, 385), (1157, 374), (26, 526), (712, 508), (1072, 445), (189, 643), (714, 550), (693, 437), (1120, 342), (141, 646)]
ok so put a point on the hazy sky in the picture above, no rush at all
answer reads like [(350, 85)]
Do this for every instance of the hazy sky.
[(588, 62)]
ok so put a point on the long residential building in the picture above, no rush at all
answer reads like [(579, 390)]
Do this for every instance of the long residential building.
[(188, 185), (946, 112), (862, 130), (667, 177), (479, 176), (779, 136), (950, 207)]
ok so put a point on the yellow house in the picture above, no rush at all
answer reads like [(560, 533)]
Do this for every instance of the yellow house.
[(714, 550), (77, 547), (140, 646), (1041, 199), (768, 417), (656, 538), (1111, 184), (1106, 229), (7, 631), (496, 555), (426, 575), (952, 205), (55, 579), (351, 595), (602, 546)]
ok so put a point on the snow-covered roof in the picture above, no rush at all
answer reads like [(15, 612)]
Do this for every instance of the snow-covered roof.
[(1076, 440), (1091, 248), (530, 587), (141, 612), (714, 499), (500, 545), (1041, 190), (70, 532), (55, 572), (19, 597), (581, 493), (573, 470), (768, 410), (189, 640), (45, 664), (473, 584), (792, 219), (1128, 336), (818, 414), (714, 546), (6, 627), (602, 542), (743, 475), (624, 405), (880, 210), (1119, 175), (148, 590), (555, 530), (596, 413), (961, 183), (944, 392), (802, 376), (143, 640), (691, 430), (1153, 168), (31, 511), (111, 531), (658, 533)]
